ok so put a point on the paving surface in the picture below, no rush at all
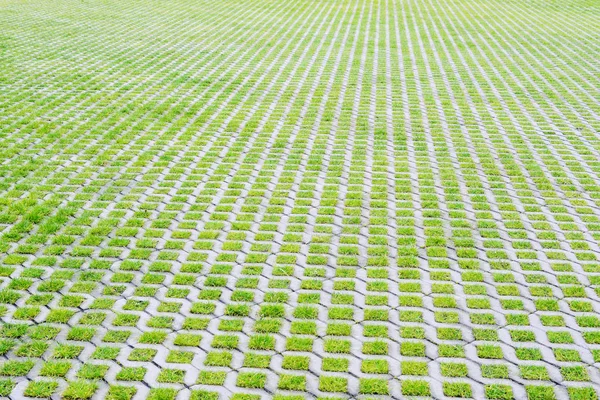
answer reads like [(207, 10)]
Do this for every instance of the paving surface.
[(300, 199)]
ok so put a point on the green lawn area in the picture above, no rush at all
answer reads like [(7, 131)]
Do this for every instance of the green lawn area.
[(301, 199)]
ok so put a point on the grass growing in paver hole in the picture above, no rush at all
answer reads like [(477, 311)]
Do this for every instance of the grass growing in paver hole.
[(117, 392), (131, 374), (218, 359), (6, 386), (92, 371), (254, 360), (168, 375), (457, 389), (211, 377), (292, 382), (295, 362), (251, 380), (333, 384), (40, 389), (373, 386), (80, 390), (162, 394)]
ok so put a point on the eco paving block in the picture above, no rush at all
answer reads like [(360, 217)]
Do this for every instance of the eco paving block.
[(337, 199)]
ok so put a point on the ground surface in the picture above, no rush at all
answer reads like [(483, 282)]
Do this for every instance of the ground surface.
[(300, 199)]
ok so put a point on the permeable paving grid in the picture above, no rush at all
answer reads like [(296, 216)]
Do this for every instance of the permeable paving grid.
[(300, 199)]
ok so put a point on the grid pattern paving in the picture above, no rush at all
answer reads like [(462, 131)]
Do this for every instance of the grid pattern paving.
[(300, 199)]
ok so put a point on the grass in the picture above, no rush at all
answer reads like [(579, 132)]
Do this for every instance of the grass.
[(493, 371), (489, 352), (574, 373), (333, 384), (457, 389), (211, 377), (92, 371), (262, 342), (373, 386), (251, 380), (55, 368), (162, 394), (528, 353), (335, 364), (254, 360), (40, 389), (414, 368), (414, 349), (337, 329), (535, 392), (218, 359), (187, 339), (224, 342), (292, 382), (32, 349), (118, 392), (498, 392), (337, 346), (171, 376), (116, 336), (415, 388), (106, 353), (153, 337), (374, 366), (299, 344), (567, 355), (6, 386), (180, 357), (131, 374), (204, 395), (375, 348), (454, 369), (67, 351), (16, 368), (80, 390), (534, 372), (581, 393), (372, 194), (299, 363), (267, 325)]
